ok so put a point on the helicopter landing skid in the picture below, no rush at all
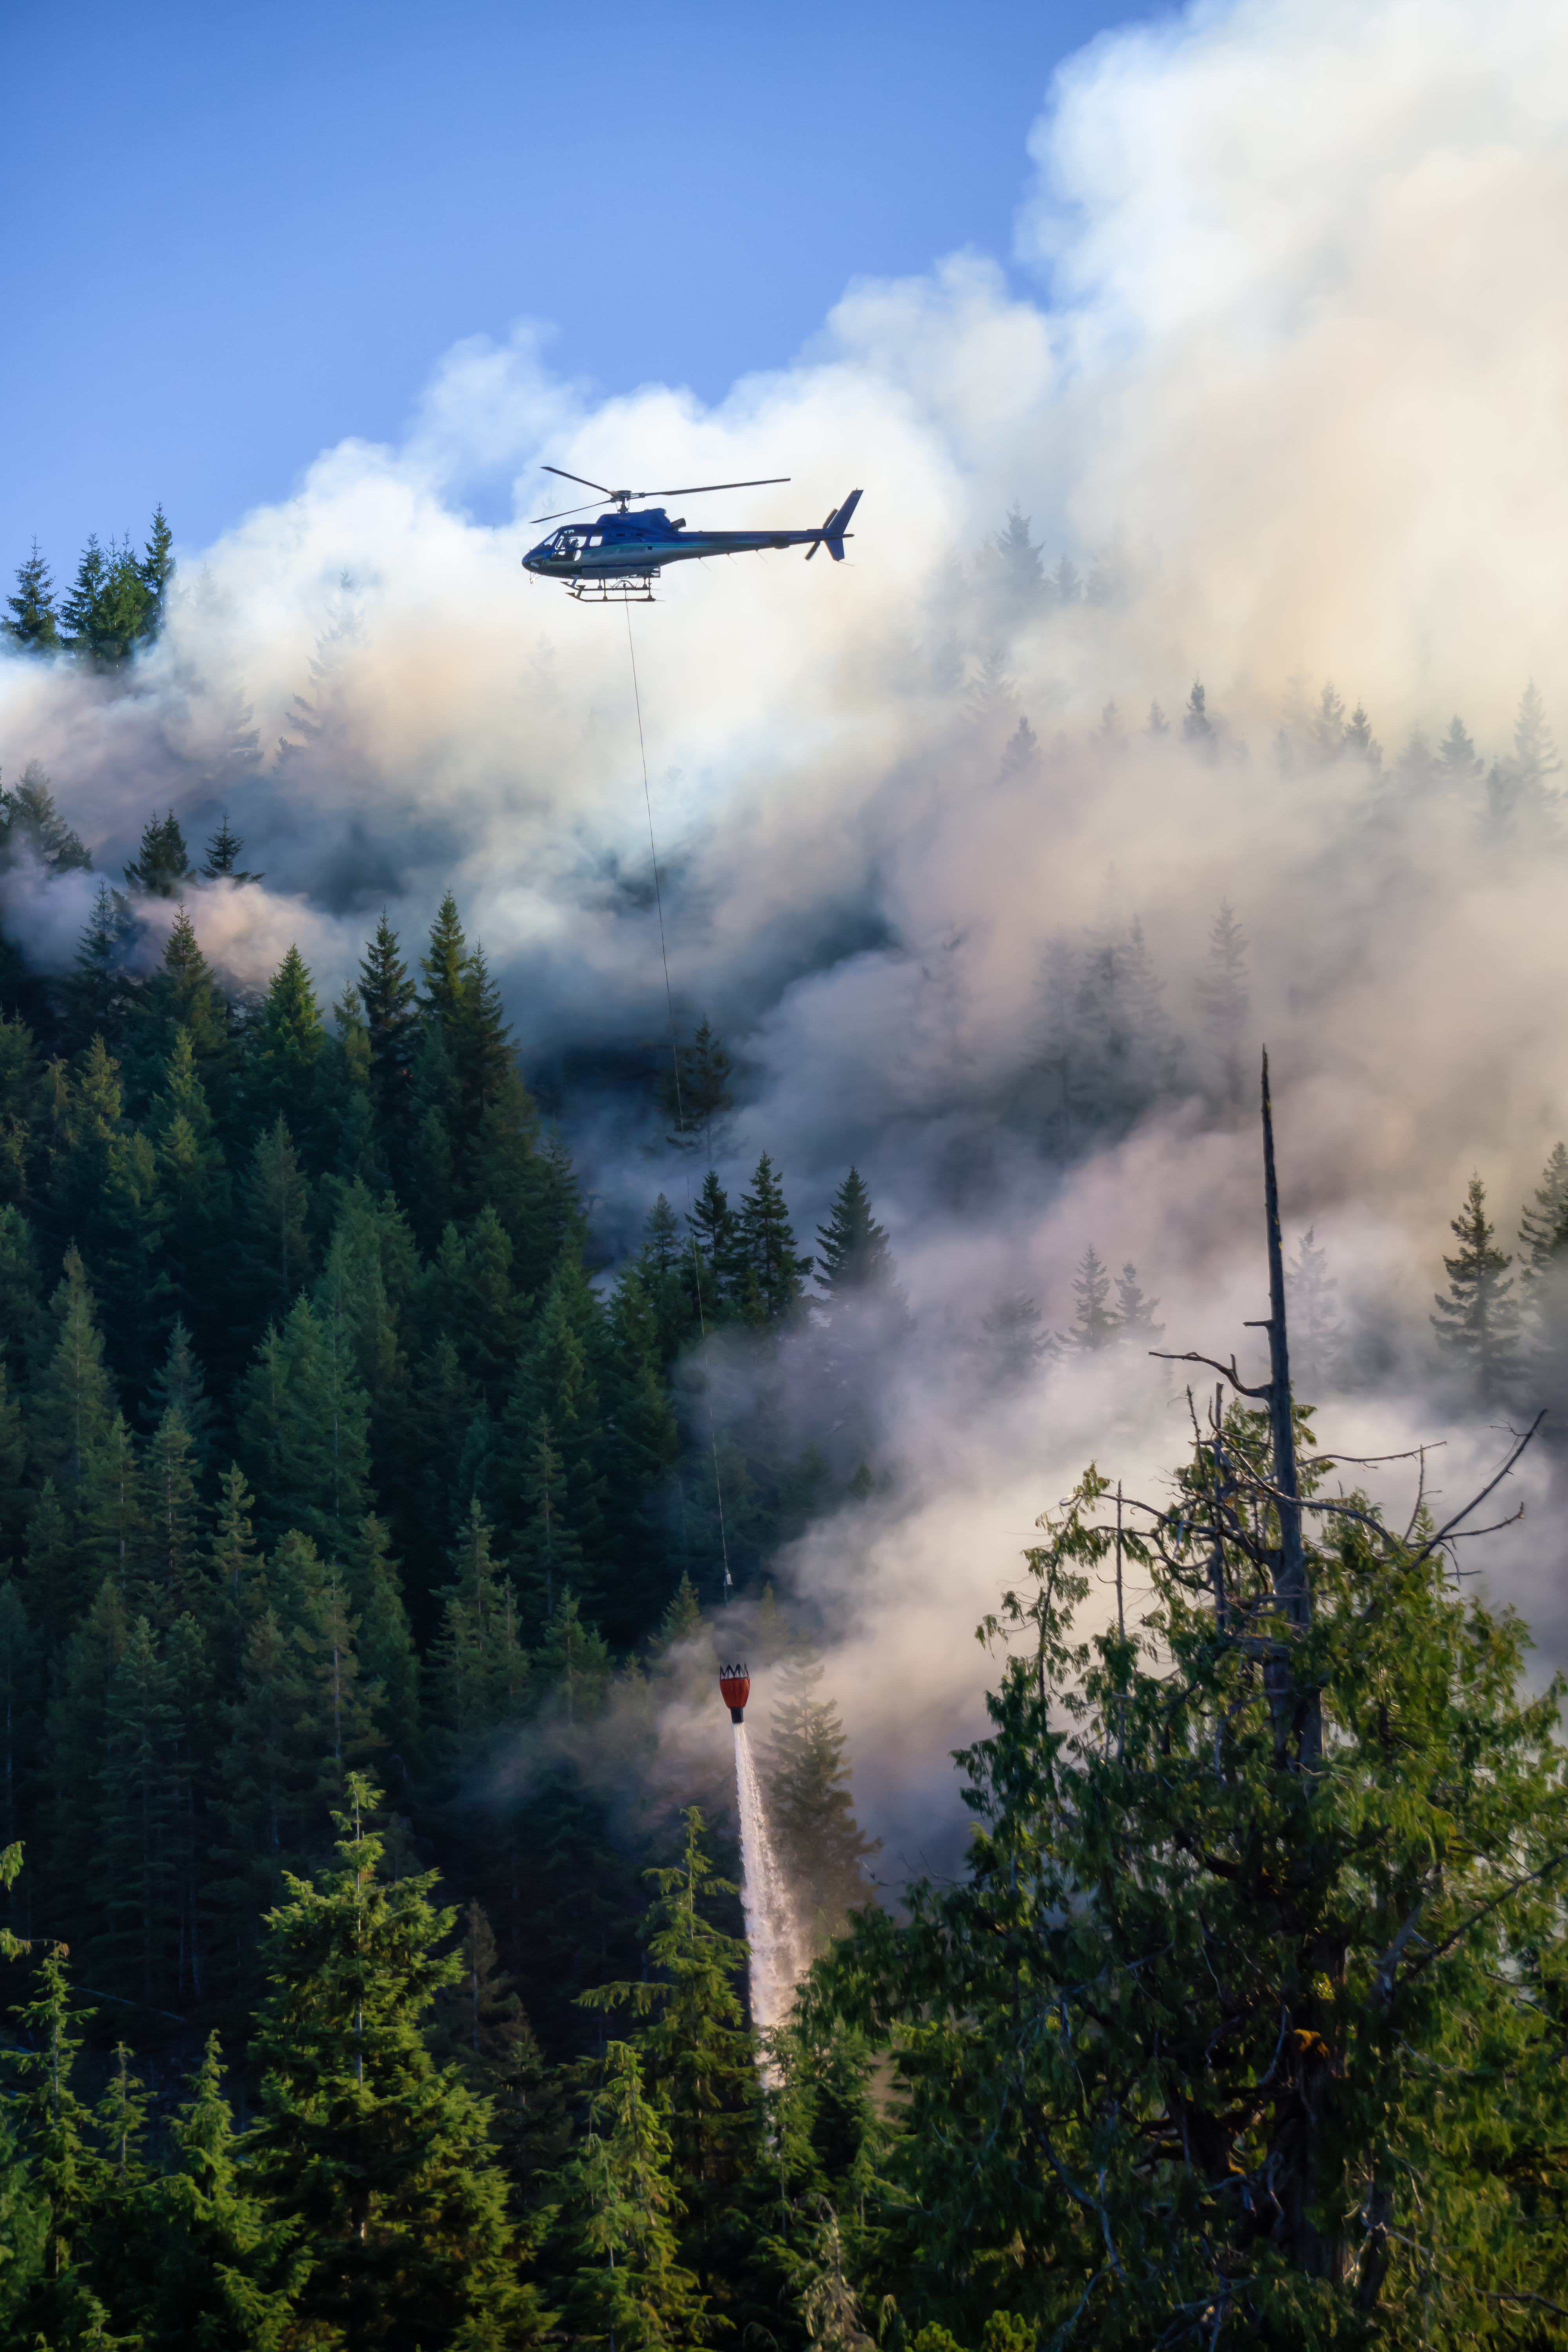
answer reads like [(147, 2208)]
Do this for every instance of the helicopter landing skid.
[(631, 588)]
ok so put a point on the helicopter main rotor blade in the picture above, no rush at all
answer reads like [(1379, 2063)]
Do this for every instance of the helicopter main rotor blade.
[(587, 485), (694, 489), (561, 513)]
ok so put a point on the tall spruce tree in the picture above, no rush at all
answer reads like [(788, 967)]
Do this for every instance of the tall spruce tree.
[(617, 2222), (771, 1276), (1477, 1322), (382, 2159), (810, 1806), (1222, 996), (162, 867), (34, 623)]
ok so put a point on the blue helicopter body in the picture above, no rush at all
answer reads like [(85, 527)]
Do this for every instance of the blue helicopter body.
[(621, 553)]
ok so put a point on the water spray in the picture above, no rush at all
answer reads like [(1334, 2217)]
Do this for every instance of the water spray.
[(773, 1934)]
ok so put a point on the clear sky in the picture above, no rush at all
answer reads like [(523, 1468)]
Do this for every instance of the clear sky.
[(236, 234)]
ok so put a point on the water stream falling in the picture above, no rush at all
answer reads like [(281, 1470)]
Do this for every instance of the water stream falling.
[(778, 1961)]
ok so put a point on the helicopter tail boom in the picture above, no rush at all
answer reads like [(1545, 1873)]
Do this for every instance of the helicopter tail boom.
[(834, 528)]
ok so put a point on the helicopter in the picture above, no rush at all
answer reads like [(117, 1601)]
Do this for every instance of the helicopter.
[(616, 559)]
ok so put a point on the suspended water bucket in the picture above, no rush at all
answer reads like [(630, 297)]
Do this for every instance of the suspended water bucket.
[(735, 1690)]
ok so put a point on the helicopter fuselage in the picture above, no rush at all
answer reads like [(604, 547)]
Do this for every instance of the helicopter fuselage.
[(621, 545)]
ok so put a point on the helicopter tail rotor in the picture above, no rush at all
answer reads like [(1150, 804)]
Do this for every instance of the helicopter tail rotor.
[(833, 532)]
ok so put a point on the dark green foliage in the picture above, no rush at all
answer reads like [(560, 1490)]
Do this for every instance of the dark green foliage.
[(31, 825), (162, 867), (223, 855), (769, 1277), (34, 623), (618, 2223), (694, 1091), (1208, 2034), (854, 1254), (1477, 1322), (1093, 1323), (380, 2156)]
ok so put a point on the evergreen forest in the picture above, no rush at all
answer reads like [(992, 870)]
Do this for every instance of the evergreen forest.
[(366, 1985)]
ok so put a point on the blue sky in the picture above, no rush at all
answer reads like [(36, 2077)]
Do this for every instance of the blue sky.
[(237, 234)]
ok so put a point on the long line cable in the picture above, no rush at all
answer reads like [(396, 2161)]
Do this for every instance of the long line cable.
[(679, 1109)]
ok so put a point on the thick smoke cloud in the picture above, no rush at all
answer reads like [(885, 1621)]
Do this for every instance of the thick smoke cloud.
[(1288, 401)]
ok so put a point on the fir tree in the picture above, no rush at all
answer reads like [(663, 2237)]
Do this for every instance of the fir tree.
[(1314, 1323), (99, 992), (169, 1507), (1013, 559), (694, 1093), (1221, 996), (72, 1402), (1136, 1324), (34, 623), (693, 2042), (1458, 763), (1542, 1223), (1477, 1323), (771, 1277), (617, 2223), (1158, 722), (712, 1267), (276, 1246), (478, 1669), (1093, 1323), (304, 1422), (79, 607), (381, 2157), (854, 1254), (220, 2268), (162, 867), (389, 999), (1198, 727), (810, 1804), (156, 568), (224, 852), (30, 823), (290, 1039), (54, 2129)]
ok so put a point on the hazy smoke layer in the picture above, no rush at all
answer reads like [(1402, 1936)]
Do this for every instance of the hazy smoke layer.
[(1288, 410)]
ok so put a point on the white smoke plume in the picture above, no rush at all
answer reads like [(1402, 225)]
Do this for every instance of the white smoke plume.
[(1288, 401)]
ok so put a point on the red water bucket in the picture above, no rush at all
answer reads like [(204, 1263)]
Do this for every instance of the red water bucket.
[(735, 1690)]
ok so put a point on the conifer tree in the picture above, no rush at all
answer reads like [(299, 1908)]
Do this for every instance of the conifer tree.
[(303, 1421), (711, 1264), (162, 865), (479, 2025), (1541, 1222), (618, 2219), (79, 604), (99, 992), (1136, 1324), (1093, 1324), (71, 1756), (1477, 1323), (854, 1254), (290, 1040), (30, 823), (1314, 1323), (275, 1246), (218, 2268), (1221, 996), (1458, 763), (54, 2129), (236, 1580), (134, 1823), (382, 2159), (34, 623), (692, 2042), (224, 853), (1198, 727), (479, 1671), (157, 569), (72, 1404), (388, 1659), (573, 1662), (22, 1091), (810, 1804), (175, 1583), (181, 1383), (694, 1091), (389, 999), (771, 1276)]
